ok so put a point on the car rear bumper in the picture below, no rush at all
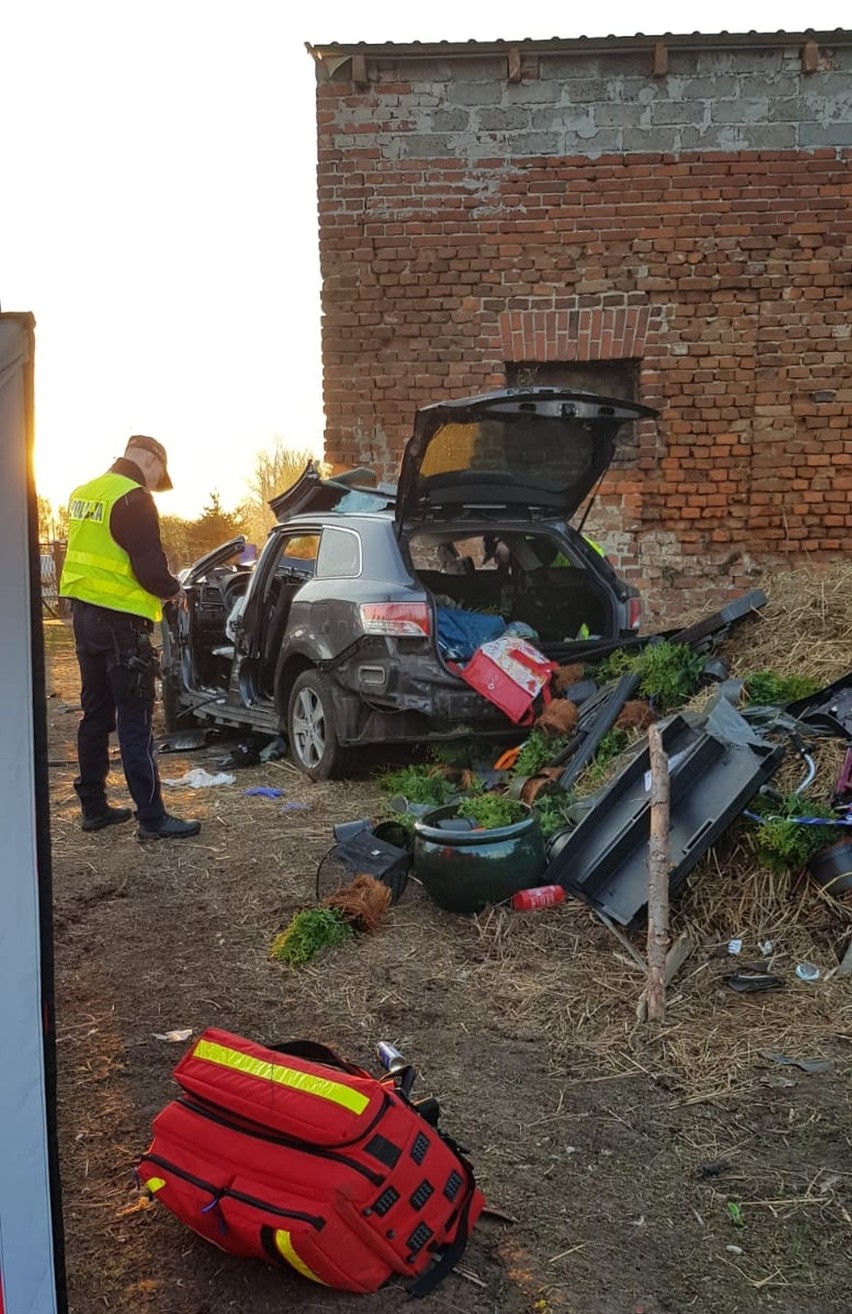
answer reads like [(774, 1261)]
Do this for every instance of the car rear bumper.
[(387, 695)]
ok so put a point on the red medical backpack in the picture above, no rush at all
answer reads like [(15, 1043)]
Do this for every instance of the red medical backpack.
[(294, 1156)]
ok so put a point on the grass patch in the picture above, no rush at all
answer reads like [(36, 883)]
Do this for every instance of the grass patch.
[(766, 686), (611, 746), (310, 931), (551, 812), (417, 784), (539, 750), (491, 811), (668, 672), (784, 845)]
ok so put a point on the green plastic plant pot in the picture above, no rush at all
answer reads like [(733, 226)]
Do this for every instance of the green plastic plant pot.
[(464, 871)]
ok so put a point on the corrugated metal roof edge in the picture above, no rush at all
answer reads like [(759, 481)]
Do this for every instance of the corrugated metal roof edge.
[(583, 44)]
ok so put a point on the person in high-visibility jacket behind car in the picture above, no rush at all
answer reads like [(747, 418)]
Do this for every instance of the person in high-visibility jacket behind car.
[(501, 553), (117, 577)]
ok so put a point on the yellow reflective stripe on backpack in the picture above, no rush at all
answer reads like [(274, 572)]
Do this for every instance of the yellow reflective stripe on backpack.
[(324, 1089), (284, 1245), (154, 1184)]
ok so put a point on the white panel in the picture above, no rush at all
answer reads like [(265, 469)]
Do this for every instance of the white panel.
[(26, 1233)]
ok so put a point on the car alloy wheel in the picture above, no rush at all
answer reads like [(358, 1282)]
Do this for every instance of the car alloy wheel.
[(307, 722), (312, 728)]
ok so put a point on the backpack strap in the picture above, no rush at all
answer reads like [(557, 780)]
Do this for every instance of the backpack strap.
[(451, 1256), (314, 1052)]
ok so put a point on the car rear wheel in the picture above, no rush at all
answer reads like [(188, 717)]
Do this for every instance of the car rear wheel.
[(311, 729)]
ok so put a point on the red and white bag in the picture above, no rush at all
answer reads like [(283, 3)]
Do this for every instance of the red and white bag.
[(510, 673)]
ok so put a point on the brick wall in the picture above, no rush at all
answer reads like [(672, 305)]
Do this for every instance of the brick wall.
[(685, 206)]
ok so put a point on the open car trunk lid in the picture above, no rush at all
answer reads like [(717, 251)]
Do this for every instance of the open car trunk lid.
[(525, 452)]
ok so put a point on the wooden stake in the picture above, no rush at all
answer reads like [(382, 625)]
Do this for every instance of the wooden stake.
[(659, 864), (675, 959)]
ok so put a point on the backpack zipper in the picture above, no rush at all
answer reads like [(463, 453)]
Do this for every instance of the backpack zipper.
[(216, 1113), (217, 1193)]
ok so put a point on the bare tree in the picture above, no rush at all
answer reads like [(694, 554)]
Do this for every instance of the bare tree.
[(275, 469)]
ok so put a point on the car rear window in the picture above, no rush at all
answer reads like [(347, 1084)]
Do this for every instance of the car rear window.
[(339, 554), (548, 450)]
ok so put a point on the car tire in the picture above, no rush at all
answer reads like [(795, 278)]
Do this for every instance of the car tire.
[(311, 728)]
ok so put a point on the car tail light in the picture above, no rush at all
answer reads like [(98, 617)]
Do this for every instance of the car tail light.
[(401, 619), (634, 613)]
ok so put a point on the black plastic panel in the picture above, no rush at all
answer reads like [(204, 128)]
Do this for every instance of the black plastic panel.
[(604, 860)]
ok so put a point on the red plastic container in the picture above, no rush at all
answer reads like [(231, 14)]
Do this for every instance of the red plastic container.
[(543, 896)]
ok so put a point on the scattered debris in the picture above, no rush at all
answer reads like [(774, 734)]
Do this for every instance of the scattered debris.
[(735, 946), (244, 755), (831, 867), (752, 982), (714, 1168), (845, 967), (274, 751), (541, 896), (184, 741), (263, 791), (293, 806), (174, 1037), (736, 1214), (200, 779), (359, 850), (808, 972), (811, 1066)]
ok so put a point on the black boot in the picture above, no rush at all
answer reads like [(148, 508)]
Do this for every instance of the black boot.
[(111, 817), (166, 827)]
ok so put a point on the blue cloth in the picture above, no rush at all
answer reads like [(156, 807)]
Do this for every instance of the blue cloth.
[(461, 632), (263, 791), (520, 630)]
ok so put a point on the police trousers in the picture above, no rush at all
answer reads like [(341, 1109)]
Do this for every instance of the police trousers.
[(118, 666)]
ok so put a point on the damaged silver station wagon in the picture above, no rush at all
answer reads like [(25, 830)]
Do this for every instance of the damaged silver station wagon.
[(347, 629)]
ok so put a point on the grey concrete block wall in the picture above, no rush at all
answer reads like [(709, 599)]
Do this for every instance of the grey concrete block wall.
[(600, 103)]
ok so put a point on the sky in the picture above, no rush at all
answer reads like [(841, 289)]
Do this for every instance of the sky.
[(158, 211)]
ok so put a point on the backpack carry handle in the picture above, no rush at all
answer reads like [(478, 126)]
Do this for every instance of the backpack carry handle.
[(314, 1052)]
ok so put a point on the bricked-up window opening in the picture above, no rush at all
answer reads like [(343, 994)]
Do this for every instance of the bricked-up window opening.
[(607, 378)]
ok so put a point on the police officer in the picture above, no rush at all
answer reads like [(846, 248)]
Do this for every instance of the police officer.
[(117, 576)]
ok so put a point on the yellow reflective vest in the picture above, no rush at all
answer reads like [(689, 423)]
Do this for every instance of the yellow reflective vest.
[(561, 560), (96, 568)]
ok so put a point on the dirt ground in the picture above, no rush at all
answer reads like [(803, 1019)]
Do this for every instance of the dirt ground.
[(617, 1155)]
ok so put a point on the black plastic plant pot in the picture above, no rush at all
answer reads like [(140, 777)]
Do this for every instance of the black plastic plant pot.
[(832, 867), (464, 870)]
